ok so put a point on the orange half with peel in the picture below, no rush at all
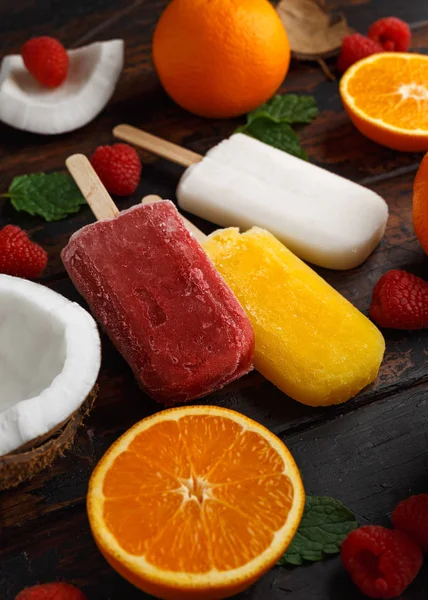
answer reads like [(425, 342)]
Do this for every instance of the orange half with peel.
[(386, 97), (195, 503)]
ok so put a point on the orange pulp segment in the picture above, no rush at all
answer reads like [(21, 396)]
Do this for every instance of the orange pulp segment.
[(195, 502), (386, 97)]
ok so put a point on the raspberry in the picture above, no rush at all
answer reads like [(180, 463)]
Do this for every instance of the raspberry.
[(411, 516), (391, 33), (381, 562), (118, 167), (400, 301), (46, 59), (354, 48), (19, 256), (51, 591)]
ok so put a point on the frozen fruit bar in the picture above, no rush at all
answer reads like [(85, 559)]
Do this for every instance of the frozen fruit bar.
[(162, 302), (310, 341), (323, 218)]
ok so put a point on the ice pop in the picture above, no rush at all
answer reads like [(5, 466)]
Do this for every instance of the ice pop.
[(161, 301), (321, 217), (310, 341)]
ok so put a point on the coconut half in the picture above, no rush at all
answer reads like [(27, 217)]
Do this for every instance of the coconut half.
[(93, 74), (50, 356)]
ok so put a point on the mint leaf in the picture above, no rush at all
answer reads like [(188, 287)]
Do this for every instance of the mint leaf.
[(325, 524), (270, 123), (291, 108), (52, 196), (278, 135)]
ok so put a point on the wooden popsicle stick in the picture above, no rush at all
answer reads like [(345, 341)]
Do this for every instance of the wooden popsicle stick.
[(157, 145), (150, 199), (197, 233), (91, 187)]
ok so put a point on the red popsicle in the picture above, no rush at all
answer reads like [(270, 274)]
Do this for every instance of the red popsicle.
[(161, 301)]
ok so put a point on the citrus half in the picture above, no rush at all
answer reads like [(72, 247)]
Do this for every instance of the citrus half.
[(195, 503), (386, 97)]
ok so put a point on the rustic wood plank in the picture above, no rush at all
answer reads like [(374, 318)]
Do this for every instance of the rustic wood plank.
[(75, 23), (65, 484), (405, 362), (332, 141), (162, 177), (361, 13), (357, 458), (370, 452)]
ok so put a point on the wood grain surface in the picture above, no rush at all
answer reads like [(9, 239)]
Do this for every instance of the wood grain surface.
[(370, 453)]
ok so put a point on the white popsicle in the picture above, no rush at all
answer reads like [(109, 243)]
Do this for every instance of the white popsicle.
[(323, 218)]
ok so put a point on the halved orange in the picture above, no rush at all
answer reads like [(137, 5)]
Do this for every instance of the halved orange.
[(196, 502), (386, 97)]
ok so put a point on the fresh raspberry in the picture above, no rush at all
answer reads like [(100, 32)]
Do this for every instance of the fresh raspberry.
[(118, 167), (46, 59), (19, 256), (381, 562), (51, 591), (392, 34), (354, 48), (411, 516), (400, 301)]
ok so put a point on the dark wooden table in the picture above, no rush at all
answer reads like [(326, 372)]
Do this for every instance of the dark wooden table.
[(370, 453)]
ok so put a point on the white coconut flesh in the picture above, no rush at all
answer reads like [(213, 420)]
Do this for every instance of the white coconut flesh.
[(93, 74), (49, 360)]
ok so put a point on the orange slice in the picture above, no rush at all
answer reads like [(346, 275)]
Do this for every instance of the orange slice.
[(195, 503), (386, 97)]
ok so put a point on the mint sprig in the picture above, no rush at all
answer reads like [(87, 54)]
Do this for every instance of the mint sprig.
[(52, 196), (278, 135), (325, 524), (291, 108), (270, 123)]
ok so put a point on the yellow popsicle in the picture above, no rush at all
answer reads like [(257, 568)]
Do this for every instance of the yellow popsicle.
[(311, 342)]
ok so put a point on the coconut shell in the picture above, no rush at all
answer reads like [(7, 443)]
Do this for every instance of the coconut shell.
[(32, 458)]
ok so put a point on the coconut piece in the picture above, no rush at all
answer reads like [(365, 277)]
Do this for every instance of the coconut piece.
[(40, 454), (49, 362), (93, 73)]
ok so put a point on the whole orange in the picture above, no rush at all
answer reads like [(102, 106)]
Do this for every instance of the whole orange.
[(420, 204), (220, 58)]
